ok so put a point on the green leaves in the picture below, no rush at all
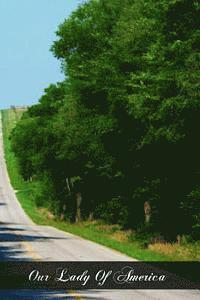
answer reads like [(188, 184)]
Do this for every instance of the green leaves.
[(129, 106)]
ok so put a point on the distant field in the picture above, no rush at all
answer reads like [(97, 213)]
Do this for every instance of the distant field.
[(109, 235)]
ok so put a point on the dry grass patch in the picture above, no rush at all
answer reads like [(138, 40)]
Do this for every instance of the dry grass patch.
[(108, 227), (166, 248), (188, 252), (45, 212), (121, 236)]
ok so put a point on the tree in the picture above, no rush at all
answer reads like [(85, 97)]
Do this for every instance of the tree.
[(118, 132)]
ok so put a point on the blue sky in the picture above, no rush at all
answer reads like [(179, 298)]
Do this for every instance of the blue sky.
[(27, 31)]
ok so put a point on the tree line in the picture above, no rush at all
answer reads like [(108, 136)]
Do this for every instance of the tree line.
[(118, 139)]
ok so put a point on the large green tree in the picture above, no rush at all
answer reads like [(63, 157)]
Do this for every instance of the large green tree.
[(122, 129)]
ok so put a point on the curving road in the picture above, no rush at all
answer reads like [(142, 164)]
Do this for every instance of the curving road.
[(21, 239)]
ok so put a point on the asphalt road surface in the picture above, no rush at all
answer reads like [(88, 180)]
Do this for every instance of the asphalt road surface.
[(21, 239)]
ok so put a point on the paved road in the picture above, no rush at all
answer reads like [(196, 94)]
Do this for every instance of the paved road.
[(21, 239)]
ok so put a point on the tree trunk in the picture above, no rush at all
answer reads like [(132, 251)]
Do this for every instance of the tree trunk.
[(78, 207), (91, 216), (62, 216), (147, 212)]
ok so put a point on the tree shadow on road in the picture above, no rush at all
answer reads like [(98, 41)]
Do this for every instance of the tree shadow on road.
[(12, 238), (46, 294)]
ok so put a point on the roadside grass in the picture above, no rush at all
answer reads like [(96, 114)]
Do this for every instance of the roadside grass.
[(185, 251), (9, 119), (108, 235)]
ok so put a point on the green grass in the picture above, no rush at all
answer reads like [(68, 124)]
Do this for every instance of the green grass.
[(9, 119), (93, 231)]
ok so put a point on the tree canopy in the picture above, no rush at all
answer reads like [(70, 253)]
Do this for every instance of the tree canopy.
[(122, 129)]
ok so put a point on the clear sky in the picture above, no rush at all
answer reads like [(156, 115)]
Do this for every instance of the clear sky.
[(27, 31)]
